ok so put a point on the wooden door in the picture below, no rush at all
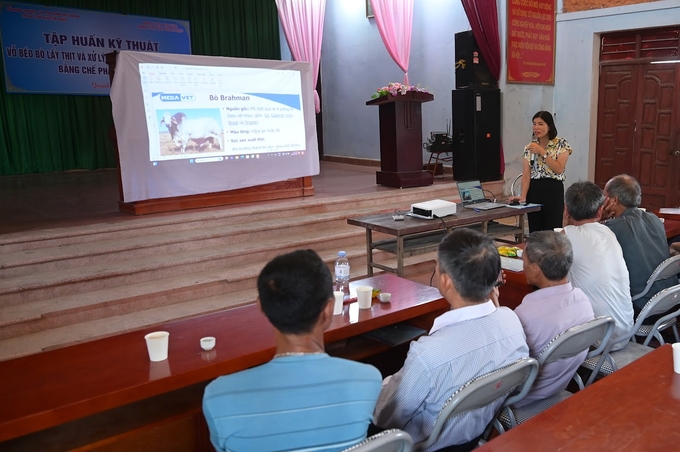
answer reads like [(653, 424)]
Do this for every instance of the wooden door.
[(638, 129), (655, 163), (615, 121)]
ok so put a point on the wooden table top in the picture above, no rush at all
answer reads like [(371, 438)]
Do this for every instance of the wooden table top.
[(383, 222), (637, 408), (672, 228), (668, 216), (53, 387)]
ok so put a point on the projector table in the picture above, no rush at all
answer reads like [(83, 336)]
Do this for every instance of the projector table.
[(417, 236)]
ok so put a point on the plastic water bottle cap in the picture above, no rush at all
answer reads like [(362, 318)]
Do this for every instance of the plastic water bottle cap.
[(342, 254)]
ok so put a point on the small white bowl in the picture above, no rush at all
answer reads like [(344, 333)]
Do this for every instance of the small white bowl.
[(384, 297), (208, 343), (398, 217)]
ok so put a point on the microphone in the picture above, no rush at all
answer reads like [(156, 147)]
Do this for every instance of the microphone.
[(533, 159)]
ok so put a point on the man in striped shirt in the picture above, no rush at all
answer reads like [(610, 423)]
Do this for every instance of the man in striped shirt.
[(473, 338)]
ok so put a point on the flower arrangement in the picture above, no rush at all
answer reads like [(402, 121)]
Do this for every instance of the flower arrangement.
[(396, 89)]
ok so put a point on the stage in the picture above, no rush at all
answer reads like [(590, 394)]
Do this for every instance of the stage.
[(75, 268), (54, 200)]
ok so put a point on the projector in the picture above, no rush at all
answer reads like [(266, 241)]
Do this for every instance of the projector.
[(436, 208)]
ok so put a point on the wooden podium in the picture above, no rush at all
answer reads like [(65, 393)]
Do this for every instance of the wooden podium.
[(401, 136)]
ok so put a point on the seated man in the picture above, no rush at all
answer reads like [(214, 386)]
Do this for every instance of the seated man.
[(641, 235), (302, 398), (554, 308), (598, 269), (473, 338)]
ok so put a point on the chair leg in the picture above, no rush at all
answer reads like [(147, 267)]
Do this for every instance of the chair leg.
[(659, 337), (429, 162), (579, 381), (675, 331)]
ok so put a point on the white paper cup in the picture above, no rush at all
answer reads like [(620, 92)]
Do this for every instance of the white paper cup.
[(207, 343), (157, 344), (365, 296), (337, 304), (676, 357)]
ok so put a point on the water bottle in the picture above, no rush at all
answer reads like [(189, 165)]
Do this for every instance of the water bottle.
[(342, 274)]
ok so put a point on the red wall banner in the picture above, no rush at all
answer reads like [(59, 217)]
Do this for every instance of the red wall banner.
[(531, 41)]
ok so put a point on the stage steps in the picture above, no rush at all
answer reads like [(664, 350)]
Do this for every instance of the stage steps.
[(62, 286)]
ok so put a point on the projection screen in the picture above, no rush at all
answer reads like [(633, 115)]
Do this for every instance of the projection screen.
[(191, 124)]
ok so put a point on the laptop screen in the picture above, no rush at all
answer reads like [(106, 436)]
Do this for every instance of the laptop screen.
[(470, 191)]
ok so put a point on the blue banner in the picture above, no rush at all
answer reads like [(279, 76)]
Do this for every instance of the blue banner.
[(61, 51)]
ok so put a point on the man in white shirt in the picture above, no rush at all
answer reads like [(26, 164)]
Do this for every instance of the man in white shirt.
[(473, 338), (599, 269)]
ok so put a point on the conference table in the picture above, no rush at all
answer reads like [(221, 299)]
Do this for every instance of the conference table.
[(107, 395), (413, 236), (637, 408), (672, 228)]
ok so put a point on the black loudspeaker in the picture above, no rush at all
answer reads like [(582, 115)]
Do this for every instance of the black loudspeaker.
[(476, 134), (471, 70)]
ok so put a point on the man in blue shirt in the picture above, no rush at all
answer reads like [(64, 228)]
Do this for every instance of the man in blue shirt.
[(303, 398), (473, 338)]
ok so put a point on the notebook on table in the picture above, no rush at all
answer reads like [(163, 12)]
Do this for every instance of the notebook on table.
[(472, 195)]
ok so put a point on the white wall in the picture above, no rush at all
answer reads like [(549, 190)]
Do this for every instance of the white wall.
[(354, 63), (519, 102), (576, 66)]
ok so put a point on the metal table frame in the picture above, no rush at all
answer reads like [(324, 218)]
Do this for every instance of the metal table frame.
[(415, 236)]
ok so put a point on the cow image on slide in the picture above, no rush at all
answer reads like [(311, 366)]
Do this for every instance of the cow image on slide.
[(202, 131)]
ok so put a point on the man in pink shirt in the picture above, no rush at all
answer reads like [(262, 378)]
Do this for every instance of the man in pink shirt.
[(555, 307)]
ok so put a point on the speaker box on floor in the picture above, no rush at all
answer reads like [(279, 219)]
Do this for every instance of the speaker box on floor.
[(476, 134), (471, 70)]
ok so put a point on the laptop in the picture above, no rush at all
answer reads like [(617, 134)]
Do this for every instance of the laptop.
[(472, 195)]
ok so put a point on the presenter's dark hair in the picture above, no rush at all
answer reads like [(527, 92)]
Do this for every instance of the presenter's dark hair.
[(294, 288), (552, 252), (472, 262), (626, 189), (548, 119), (583, 199)]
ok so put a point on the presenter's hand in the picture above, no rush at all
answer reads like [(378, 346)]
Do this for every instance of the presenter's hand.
[(516, 198), (536, 148)]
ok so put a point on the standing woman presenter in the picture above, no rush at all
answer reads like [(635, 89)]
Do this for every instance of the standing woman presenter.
[(545, 161)]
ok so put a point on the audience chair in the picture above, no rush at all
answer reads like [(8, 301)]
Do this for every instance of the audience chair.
[(393, 440), (605, 364), (567, 344), (516, 187), (483, 390), (666, 269)]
